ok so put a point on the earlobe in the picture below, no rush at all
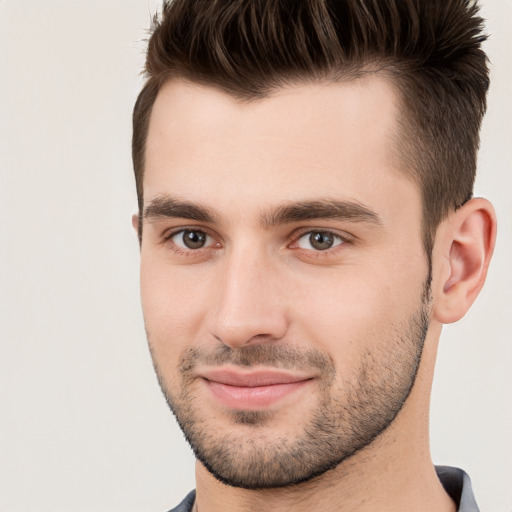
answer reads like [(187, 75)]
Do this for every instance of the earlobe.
[(467, 245)]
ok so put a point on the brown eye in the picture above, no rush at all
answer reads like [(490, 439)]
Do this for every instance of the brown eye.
[(319, 240), (190, 239)]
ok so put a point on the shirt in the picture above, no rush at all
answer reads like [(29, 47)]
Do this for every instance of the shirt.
[(455, 482)]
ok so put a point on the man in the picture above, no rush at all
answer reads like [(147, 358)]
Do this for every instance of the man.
[(304, 172)]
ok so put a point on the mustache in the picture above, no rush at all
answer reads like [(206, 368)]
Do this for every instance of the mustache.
[(272, 355)]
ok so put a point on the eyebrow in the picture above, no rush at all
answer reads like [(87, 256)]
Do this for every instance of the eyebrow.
[(169, 207), (322, 209)]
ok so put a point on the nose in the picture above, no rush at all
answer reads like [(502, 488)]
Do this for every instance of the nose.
[(249, 307)]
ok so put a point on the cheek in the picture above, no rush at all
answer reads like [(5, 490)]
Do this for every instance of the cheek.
[(342, 308), (174, 304), (351, 313)]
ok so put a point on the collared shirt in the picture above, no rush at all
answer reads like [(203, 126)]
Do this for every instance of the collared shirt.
[(455, 482)]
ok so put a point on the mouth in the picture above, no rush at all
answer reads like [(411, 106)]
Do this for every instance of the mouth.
[(253, 390)]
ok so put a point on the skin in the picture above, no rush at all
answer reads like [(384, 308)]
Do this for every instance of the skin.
[(258, 281)]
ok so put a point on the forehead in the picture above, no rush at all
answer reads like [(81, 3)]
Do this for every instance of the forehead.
[(301, 142)]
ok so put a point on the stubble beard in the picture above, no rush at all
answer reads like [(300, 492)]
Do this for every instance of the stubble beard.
[(350, 415)]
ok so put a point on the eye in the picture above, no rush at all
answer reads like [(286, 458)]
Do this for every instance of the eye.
[(319, 240), (190, 239)]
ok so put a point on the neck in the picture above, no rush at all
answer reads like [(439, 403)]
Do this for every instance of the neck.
[(364, 483)]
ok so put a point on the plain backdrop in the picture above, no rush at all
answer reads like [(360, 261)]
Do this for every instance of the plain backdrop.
[(83, 425)]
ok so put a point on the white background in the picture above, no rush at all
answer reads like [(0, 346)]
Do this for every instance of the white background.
[(83, 426)]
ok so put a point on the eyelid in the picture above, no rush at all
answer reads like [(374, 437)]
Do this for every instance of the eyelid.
[(343, 235), (336, 240), (169, 234), (345, 238)]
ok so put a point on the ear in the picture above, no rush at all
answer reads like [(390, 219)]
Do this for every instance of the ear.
[(462, 253), (137, 227)]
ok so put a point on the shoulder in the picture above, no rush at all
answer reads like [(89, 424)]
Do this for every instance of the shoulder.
[(187, 504), (457, 484)]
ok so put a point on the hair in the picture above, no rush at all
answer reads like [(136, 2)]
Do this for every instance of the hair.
[(430, 49)]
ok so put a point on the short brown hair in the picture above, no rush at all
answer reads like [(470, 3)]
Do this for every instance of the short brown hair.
[(431, 49)]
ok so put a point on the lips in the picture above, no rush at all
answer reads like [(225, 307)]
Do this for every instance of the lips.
[(254, 390)]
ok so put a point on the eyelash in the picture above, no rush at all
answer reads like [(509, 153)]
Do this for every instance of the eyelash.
[(339, 241), (168, 240), (342, 239)]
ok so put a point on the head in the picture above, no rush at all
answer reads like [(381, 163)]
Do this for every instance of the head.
[(303, 169)]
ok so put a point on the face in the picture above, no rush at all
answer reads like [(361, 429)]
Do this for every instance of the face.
[(283, 277)]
